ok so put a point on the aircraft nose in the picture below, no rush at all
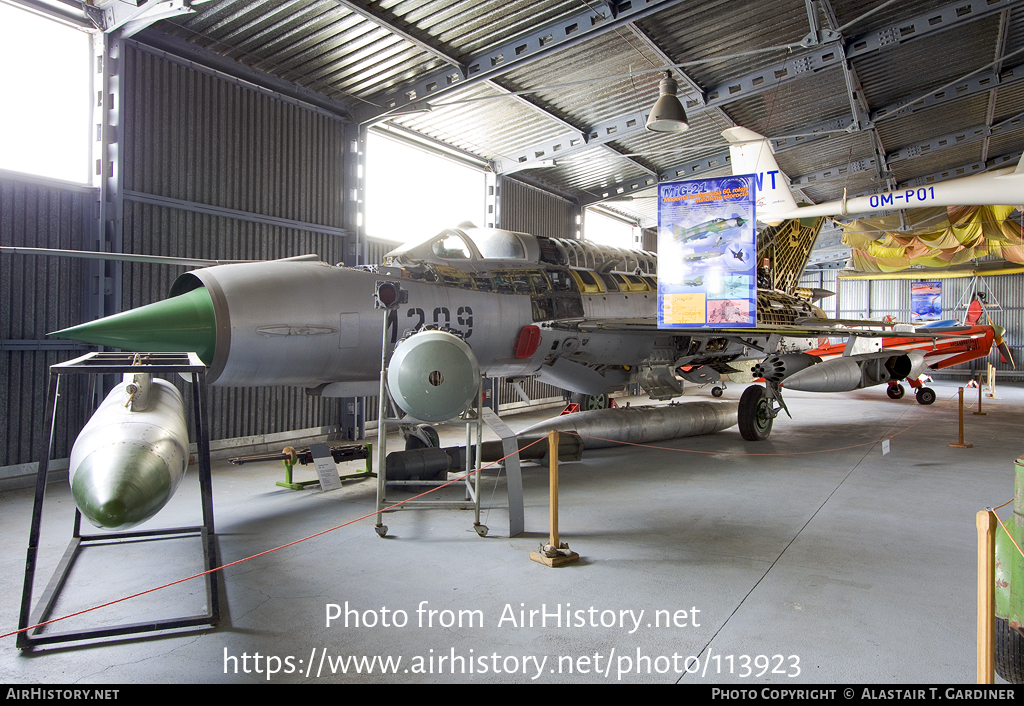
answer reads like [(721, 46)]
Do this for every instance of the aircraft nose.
[(181, 324)]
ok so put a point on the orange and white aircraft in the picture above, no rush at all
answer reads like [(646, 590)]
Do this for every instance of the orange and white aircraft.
[(863, 362)]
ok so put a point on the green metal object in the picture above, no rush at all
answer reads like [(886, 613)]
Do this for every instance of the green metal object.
[(1004, 554), (180, 324), (289, 464), (134, 483), (1015, 609)]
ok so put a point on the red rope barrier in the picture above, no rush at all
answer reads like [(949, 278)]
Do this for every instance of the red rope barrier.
[(269, 551)]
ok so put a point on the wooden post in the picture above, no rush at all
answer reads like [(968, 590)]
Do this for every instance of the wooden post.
[(979, 412), (555, 553), (553, 488), (961, 444), (986, 523)]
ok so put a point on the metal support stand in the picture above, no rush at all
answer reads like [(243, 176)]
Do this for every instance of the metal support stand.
[(388, 413), (106, 363)]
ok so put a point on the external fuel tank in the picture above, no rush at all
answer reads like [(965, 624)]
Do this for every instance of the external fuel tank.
[(131, 455)]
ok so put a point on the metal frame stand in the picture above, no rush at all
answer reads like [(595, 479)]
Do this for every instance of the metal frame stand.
[(389, 413), (104, 363)]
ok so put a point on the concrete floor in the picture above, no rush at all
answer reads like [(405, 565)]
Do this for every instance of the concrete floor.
[(773, 565)]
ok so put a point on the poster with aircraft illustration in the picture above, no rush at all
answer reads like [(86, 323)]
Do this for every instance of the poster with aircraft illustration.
[(707, 245), (925, 301)]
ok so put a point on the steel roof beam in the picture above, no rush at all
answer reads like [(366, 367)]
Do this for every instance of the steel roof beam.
[(518, 52), (979, 83), (990, 111), (394, 24), (688, 170), (939, 20), (823, 57), (1006, 160), (565, 124)]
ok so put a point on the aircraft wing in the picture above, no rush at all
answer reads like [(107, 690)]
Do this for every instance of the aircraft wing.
[(808, 328)]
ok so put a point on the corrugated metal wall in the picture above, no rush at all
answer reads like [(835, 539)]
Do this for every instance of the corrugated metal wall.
[(529, 210), (39, 295), (891, 297), (195, 141)]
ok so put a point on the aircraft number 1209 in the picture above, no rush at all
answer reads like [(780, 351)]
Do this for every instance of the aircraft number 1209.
[(443, 317)]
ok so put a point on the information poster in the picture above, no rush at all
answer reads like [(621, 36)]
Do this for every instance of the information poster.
[(925, 301), (707, 244)]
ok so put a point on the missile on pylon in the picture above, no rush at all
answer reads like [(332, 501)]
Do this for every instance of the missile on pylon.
[(131, 455), (857, 371)]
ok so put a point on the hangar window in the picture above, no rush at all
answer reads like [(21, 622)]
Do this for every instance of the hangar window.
[(605, 229), (46, 93), (412, 192)]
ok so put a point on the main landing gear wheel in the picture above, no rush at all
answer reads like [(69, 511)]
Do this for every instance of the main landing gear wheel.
[(589, 403), (716, 391), (925, 395), (1009, 652), (756, 415), (895, 392)]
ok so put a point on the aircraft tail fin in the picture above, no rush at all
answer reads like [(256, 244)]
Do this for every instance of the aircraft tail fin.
[(752, 154)]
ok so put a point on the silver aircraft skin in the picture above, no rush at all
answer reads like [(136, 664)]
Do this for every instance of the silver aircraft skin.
[(576, 315), (307, 323)]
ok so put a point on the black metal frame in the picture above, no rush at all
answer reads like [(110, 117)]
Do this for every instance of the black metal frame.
[(103, 363)]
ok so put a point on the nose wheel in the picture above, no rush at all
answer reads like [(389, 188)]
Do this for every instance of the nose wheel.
[(756, 414)]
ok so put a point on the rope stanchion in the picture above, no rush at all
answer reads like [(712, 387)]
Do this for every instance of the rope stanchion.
[(960, 444), (986, 523), (979, 413), (264, 553), (554, 553)]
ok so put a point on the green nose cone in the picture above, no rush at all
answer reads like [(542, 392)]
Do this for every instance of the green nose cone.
[(177, 325)]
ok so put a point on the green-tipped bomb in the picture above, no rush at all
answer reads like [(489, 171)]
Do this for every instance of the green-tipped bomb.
[(180, 324), (128, 460), (121, 485)]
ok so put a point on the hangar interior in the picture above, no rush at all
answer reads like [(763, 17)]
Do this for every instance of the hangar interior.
[(237, 130)]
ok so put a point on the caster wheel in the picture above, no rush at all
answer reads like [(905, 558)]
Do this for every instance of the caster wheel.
[(717, 391), (381, 530), (481, 530)]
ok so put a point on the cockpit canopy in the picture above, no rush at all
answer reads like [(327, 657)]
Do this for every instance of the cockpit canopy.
[(469, 247), (473, 249)]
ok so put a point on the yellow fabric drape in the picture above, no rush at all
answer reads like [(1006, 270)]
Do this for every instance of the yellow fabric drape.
[(940, 238)]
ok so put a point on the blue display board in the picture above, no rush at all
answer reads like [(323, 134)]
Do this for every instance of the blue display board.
[(925, 301), (707, 245)]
